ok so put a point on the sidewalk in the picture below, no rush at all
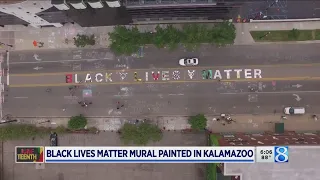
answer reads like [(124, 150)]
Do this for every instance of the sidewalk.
[(243, 123), (243, 30), (56, 38), (60, 38)]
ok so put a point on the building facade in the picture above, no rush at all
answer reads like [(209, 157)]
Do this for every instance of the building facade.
[(89, 13), (286, 138)]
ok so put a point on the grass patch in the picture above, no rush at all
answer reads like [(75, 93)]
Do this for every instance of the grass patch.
[(28, 131), (212, 167), (289, 35), (214, 140), (212, 171), (317, 34), (21, 131)]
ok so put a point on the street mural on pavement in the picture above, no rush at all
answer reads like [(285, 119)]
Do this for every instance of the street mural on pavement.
[(164, 75)]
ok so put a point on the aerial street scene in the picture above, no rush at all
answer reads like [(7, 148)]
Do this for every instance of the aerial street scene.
[(184, 90)]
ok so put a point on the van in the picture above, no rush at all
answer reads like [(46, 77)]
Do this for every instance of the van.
[(294, 110)]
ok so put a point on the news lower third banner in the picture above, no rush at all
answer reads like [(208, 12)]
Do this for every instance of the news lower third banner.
[(149, 154)]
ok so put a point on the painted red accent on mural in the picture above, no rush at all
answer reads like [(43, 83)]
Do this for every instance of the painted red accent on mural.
[(69, 78), (155, 76)]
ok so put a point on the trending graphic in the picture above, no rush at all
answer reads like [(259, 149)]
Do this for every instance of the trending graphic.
[(29, 154)]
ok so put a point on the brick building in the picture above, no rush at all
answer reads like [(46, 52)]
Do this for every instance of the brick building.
[(267, 139)]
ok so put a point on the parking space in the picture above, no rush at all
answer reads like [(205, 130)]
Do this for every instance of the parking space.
[(14, 171)]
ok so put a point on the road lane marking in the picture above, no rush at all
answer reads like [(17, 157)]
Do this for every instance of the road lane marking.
[(163, 82), (180, 68), (20, 97), (275, 92), (59, 61), (176, 94)]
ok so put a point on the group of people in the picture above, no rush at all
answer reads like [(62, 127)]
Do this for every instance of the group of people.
[(226, 118), (84, 103)]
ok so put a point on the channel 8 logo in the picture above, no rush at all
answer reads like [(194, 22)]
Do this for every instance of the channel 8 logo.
[(281, 154)]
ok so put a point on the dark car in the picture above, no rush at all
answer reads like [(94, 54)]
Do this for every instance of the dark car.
[(53, 139)]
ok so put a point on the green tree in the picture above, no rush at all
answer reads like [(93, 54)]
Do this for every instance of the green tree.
[(198, 122), (159, 38), (167, 37), (222, 34), (193, 35), (294, 34), (140, 134), (174, 37), (125, 41), (84, 40), (77, 122)]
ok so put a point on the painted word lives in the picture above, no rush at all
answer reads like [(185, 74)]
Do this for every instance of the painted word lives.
[(164, 75)]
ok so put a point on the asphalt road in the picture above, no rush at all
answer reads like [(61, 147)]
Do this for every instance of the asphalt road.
[(22, 62), (160, 99), (165, 99)]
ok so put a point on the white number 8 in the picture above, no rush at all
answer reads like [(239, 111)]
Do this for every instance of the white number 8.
[(281, 156)]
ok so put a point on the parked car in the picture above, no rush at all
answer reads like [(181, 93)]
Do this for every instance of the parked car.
[(294, 110), (188, 62), (53, 139)]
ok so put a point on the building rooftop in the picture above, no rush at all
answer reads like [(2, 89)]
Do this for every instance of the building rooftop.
[(270, 139), (300, 143), (11, 1)]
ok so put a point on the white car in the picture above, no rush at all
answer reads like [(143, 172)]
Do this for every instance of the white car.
[(294, 110), (188, 62)]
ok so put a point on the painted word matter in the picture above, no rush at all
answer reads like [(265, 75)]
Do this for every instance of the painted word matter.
[(166, 75), (229, 73)]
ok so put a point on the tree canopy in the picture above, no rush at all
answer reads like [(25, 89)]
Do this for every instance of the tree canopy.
[(125, 40), (128, 40), (77, 122), (140, 134), (198, 122), (84, 40)]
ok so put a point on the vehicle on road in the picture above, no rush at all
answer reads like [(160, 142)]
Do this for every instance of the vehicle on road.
[(294, 110), (188, 62), (53, 139)]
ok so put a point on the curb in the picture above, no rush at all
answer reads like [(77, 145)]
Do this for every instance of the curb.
[(175, 22), (149, 116), (284, 20), (287, 42)]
